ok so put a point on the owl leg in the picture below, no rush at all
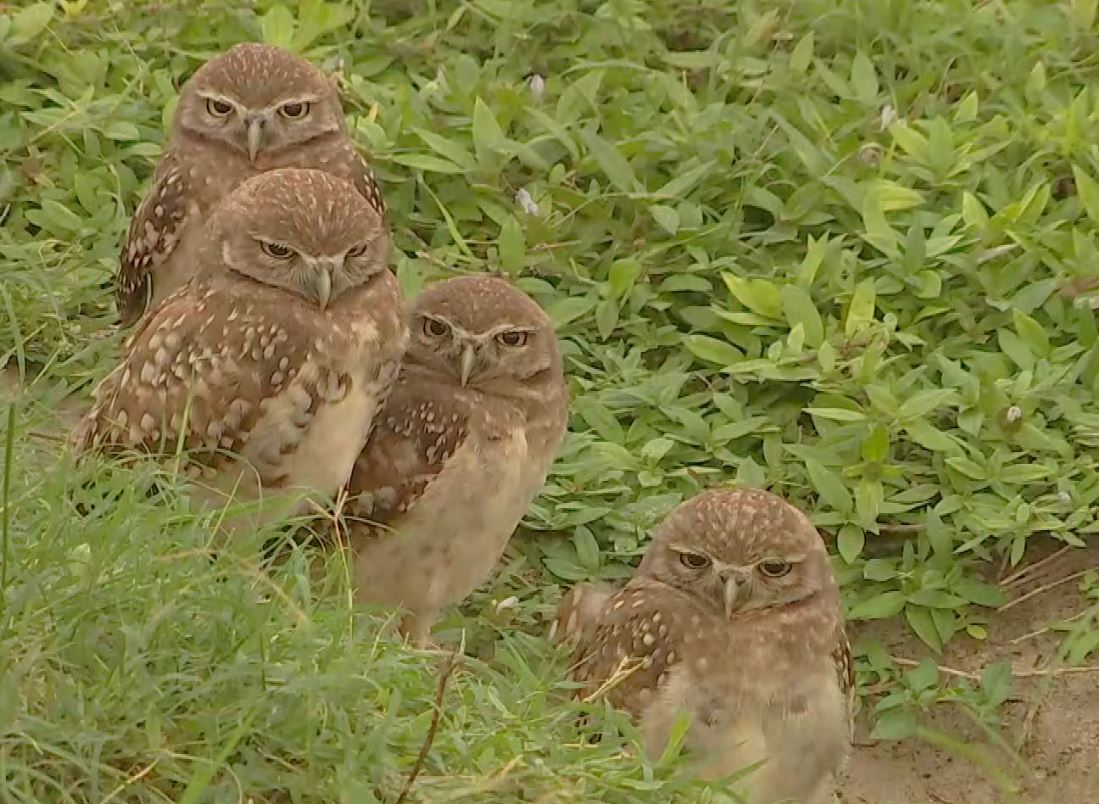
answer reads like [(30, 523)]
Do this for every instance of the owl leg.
[(416, 628)]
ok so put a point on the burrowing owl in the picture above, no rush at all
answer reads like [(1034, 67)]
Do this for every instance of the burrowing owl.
[(270, 364), (460, 450), (733, 617), (252, 109)]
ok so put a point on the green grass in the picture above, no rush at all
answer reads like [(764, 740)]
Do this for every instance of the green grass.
[(843, 249)]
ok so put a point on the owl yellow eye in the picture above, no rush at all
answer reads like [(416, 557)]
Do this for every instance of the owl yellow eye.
[(693, 560), (295, 110), (276, 250), (775, 568), (218, 108), (512, 337), (435, 328), (357, 251)]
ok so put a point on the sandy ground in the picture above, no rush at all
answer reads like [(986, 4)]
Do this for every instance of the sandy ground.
[(1053, 717)]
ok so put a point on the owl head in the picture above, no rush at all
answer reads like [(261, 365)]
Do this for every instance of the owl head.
[(740, 550), (304, 231), (260, 101), (482, 332)]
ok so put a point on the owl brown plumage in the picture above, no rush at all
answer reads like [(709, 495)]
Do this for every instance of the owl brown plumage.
[(270, 364), (734, 617), (252, 109), (460, 450)]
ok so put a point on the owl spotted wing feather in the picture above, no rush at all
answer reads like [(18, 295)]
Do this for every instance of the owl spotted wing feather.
[(362, 176), (152, 236), (637, 636), (200, 371), (414, 435)]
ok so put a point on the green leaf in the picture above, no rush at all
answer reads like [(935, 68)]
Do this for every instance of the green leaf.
[(1032, 333), (512, 246), (1083, 13), (923, 402), (875, 447), (863, 78), (684, 182), (447, 148), (427, 162), (837, 414), (921, 622), (879, 607), (861, 310), (968, 468), (973, 211), (802, 55), (936, 599), (488, 137), (60, 218), (563, 311), (600, 419), (868, 499), (614, 166), (798, 308), (31, 21), (713, 350), (996, 682), (930, 437), (758, 295), (622, 276), (277, 26), (1087, 190), (895, 724), (923, 676), (850, 541), (667, 217), (829, 487), (982, 594), (587, 548)]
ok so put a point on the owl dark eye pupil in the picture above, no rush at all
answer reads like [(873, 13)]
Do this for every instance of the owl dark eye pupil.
[(357, 251), (294, 110), (435, 328), (513, 338), (276, 250), (693, 560), (218, 107), (775, 569)]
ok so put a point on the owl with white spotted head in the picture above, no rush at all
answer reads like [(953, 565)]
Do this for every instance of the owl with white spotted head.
[(734, 617), (460, 450), (253, 108), (270, 364)]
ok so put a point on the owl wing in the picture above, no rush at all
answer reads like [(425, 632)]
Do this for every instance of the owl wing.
[(635, 642), (362, 176), (414, 435), (578, 609), (201, 369), (845, 673), (152, 236)]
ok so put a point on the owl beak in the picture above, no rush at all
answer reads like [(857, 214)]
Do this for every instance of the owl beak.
[(255, 137), (735, 583), (322, 287), (731, 592), (469, 360)]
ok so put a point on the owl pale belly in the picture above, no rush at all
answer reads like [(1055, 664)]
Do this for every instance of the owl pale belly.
[(293, 451), (803, 740), (449, 542)]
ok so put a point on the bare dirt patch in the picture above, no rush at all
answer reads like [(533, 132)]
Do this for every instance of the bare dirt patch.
[(1052, 716)]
